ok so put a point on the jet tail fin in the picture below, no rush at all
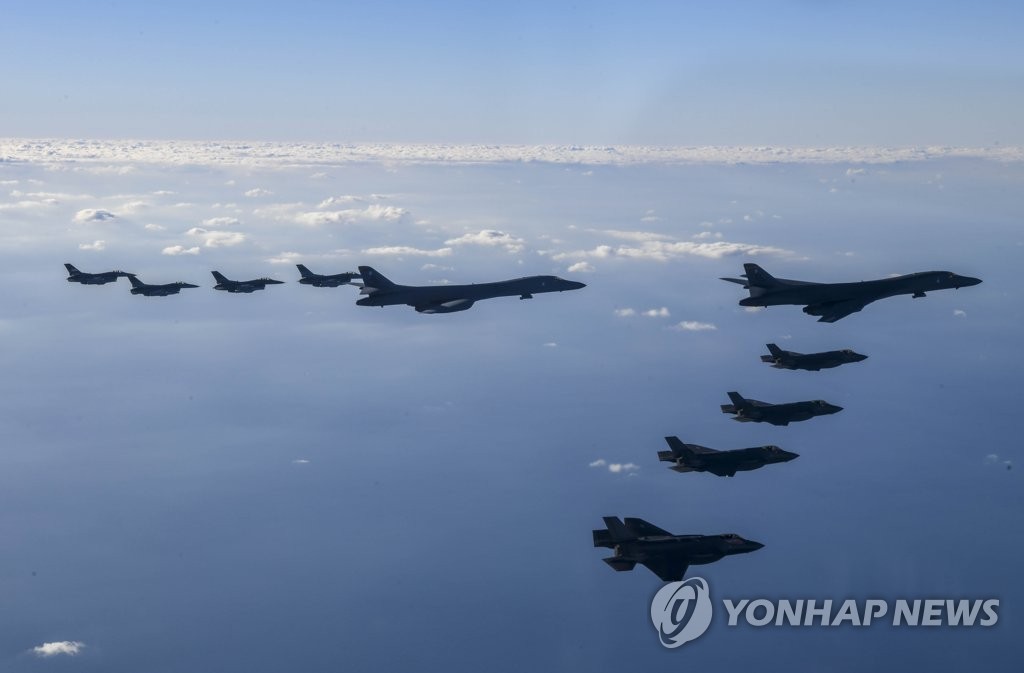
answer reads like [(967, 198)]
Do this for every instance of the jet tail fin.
[(374, 281), (135, 281), (71, 270), (737, 399), (617, 531), (306, 273), (220, 277), (774, 350)]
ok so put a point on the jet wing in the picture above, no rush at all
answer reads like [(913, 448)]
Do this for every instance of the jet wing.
[(668, 568), (446, 306), (831, 311), (643, 529)]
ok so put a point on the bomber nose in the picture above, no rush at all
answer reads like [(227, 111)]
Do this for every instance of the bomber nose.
[(966, 281)]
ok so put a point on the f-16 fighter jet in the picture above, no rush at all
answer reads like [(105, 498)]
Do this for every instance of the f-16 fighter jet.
[(834, 301), (666, 555), (317, 280), (245, 286), (811, 362), (697, 458), (451, 298), (776, 414), (138, 287), (76, 276)]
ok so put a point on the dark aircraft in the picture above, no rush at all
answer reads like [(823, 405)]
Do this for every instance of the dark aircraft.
[(697, 458), (666, 555), (451, 298), (811, 362), (317, 280), (245, 286), (76, 276), (776, 414), (138, 287), (835, 301)]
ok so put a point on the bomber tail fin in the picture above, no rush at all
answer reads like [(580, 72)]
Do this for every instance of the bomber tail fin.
[(758, 277), (374, 281)]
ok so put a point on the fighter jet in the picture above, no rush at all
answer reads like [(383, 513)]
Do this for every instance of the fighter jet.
[(245, 286), (812, 362), (835, 301), (138, 287), (451, 298), (777, 414), (666, 555), (317, 280), (76, 276), (697, 458)]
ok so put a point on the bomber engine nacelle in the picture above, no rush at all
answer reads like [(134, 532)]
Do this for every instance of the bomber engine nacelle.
[(448, 306)]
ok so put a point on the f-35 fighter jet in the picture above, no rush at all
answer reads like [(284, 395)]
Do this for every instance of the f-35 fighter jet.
[(697, 458), (138, 287), (245, 286), (666, 555), (451, 298), (318, 280), (777, 414), (76, 276), (811, 362), (835, 301)]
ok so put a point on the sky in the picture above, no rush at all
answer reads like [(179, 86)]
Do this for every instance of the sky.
[(732, 73), (288, 481)]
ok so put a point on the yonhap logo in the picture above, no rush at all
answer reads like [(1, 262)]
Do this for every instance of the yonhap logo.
[(681, 611)]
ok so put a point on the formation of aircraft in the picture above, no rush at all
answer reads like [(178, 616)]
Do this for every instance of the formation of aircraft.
[(380, 291), (812, 362), (634, 540), (696, 458), (666, 555), (756, 411), (834, 301)]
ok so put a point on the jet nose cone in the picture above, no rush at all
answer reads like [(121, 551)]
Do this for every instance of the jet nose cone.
[(753, 546), (833, 409), (574, 285), (788, 456), (967, 281), (861, 358)]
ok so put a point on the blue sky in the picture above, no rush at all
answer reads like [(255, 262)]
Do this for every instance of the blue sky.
[(795, 73), (286, 481)]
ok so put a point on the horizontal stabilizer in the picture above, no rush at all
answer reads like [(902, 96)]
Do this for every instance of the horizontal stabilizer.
[(619, 564), (603, 538), (728, 409), (667, 456)]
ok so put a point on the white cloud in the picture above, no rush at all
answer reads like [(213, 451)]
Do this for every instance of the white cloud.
[(372, 213), (489, 237), (624, 312), (581, 267), (436, 267), (616, 468), (600, 462), (221, 222), (93, 215), (285, 258), (694, 326), (155, 227), (133, 207), (338, 201), (68, 647), (638, 236), (657, 313), (258, 191), (660, 250), (407, 250), (960, 313), (174, 250), (705, 235), (551, 344), (95, 246), (217, 239), (300, 461)]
